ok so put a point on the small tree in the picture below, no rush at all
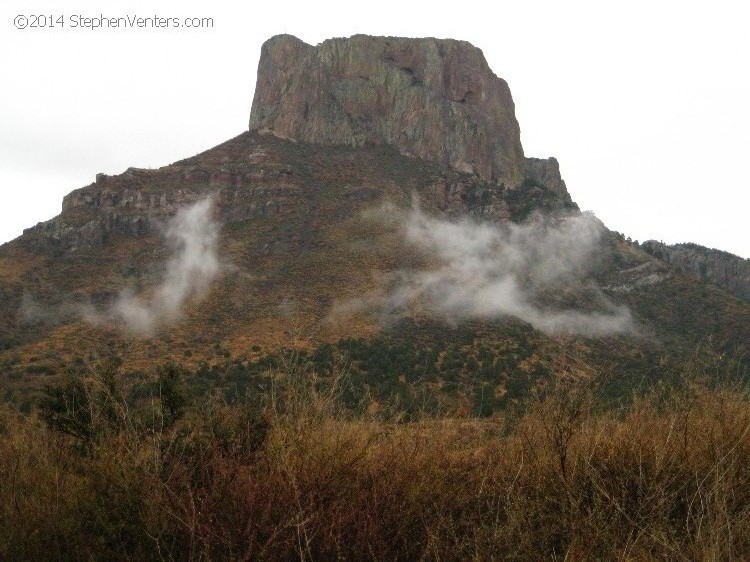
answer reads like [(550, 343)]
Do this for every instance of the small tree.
[(86, 405), (172, 392)]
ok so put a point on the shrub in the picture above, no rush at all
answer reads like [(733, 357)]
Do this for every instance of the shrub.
[(304, 477)]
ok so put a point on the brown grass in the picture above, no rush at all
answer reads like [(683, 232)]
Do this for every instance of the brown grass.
[(669, 478)]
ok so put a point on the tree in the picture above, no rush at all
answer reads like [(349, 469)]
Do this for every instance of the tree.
[(86, 405), (172, 392)]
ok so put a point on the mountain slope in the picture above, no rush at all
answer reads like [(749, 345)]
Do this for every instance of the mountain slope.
[(318, 241)]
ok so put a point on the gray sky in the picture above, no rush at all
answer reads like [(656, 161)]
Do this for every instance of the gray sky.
[(645, 104)]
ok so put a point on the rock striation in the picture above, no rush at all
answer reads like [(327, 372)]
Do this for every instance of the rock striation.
[(435, 99)]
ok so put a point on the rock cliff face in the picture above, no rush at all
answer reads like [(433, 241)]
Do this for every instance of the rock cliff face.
[(257, 176), (726, 270), (546, 173), (429, 98)]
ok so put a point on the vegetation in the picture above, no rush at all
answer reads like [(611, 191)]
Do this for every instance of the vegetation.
[(482, 440), (292, 233), (148, 473)]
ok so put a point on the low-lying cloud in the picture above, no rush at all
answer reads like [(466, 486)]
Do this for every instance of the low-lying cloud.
[(193, 235), (489, 270)]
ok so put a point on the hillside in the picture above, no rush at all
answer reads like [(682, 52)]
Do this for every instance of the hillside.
[(466, 265)]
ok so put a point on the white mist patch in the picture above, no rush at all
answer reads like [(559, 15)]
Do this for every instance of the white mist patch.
[(32, 311), (193, 235), (488, 270)]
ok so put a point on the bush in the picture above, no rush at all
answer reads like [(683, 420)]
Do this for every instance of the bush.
[(304, 477)]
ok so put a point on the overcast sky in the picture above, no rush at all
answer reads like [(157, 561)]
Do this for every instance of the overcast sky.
[(645, 104)]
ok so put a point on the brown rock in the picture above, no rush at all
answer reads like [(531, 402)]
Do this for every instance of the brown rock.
[(430, 98), (726, 270), (546, 173)]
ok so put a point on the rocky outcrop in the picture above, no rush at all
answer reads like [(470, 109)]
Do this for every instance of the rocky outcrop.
[(545, 172), (642, 276), (726, 270), (429, 98)]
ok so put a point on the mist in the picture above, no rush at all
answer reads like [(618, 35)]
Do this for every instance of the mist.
[(490, 270), (193, 237)]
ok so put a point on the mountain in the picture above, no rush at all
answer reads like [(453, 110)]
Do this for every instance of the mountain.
[(379, 213)]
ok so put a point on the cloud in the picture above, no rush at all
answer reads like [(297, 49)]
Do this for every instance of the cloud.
[(193, 235), (490, 270)]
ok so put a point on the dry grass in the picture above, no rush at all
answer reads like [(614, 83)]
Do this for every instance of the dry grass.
[(306, 479)]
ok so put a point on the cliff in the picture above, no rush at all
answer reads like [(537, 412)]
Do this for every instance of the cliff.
[(435, 99)]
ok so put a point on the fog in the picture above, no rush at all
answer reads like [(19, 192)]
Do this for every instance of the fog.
[(192, 235), (489, 270)]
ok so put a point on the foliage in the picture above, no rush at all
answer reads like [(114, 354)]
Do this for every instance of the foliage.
[(85, 406), (306, 477), (172, 391)]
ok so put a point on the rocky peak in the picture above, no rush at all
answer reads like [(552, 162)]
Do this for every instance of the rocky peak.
[(435, 99)]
